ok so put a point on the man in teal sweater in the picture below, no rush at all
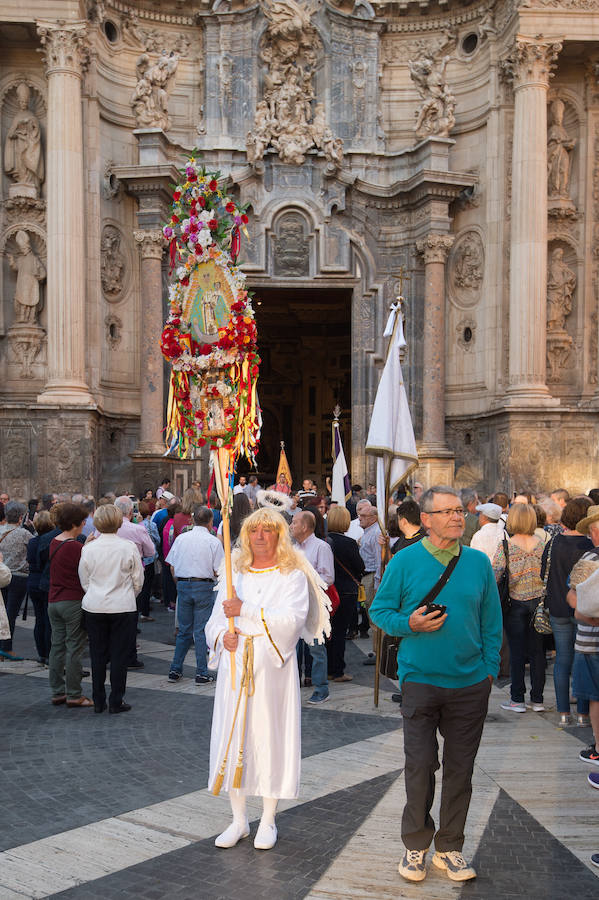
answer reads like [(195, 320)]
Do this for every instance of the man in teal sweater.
[(446, 665)]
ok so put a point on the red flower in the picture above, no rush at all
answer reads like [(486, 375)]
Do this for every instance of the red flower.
[(212, 224), (230, 207), (185, 281), (176, 195), (174, 219), (244, 219), (202, 201), (201, 442), (213, 185)]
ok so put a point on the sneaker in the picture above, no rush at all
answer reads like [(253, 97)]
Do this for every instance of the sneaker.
[(538, 707), (590, 755), (412, 867), (174, 676), (343, 678), (565, 719), (315, 700), (147, 619), (515, 707), (593, 779), (595, 859), (582, 721), (455, 865), (205, 679)]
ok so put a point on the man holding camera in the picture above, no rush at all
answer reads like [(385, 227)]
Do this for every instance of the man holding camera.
[(441, 599)]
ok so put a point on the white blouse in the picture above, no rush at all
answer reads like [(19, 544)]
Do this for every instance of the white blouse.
[(111, 575)]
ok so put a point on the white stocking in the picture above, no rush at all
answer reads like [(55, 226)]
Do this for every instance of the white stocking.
[(268, 811), (238, 806)]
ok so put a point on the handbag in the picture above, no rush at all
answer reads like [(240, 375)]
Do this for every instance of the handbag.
[(503, 585), (390, 642), (361, 588), (333, 595), (541, 621)]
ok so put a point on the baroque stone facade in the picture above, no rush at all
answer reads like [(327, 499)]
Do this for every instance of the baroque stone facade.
[(457, 140)]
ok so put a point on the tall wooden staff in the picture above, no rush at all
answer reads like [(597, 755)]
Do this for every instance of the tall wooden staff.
[(210, 339)]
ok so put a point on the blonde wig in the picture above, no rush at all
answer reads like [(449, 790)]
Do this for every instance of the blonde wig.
[(287, 557)]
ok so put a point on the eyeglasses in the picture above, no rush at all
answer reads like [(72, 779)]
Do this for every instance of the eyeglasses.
[(450, 511)]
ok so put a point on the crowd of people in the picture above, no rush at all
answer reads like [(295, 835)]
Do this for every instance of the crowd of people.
[(516, 580)]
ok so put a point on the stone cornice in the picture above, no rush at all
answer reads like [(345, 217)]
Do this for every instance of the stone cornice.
[(65, 46), (435, 247)]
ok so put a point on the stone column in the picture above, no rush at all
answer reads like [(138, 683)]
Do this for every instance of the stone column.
[(436, 460), (530, 67), (65, 58), (152, 381)]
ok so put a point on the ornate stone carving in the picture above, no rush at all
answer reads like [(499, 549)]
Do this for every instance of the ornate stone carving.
[(359, 71), (435, 115), (284, 118), (559, 150), (561, 283), (531, 61), (23, 154), (292, 250), (150, 98), (114, 331), (151, 243), (65, 46), (155, 40), (593, 348), (435, 247), (112, 188), (466, 333), (26, 343), (112, 263), (466, 269), (30, 272)]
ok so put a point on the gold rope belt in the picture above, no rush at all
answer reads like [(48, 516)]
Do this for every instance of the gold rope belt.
[(246, 690)]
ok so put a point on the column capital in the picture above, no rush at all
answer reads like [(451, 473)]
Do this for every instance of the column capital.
[(151, 243), (435, 247), (66, 48), (531, 61)]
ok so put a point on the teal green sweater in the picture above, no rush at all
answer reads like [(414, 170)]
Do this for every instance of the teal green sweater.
[(466, 648)]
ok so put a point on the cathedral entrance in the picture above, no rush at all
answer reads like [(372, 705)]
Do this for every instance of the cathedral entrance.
[(304, 337)]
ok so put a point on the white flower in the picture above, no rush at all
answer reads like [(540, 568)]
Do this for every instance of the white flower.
[(204, 216), (204, 238), (181, 272)]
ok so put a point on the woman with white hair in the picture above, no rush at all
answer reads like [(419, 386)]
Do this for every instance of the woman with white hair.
[(255, 742)]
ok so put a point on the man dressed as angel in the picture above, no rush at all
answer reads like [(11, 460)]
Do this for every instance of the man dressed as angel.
[(255, 743)]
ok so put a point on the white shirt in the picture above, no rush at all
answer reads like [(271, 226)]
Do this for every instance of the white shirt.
[(196, 554), (239, 489), (111, 574), (488, 538), (355, 530), (320, 556)]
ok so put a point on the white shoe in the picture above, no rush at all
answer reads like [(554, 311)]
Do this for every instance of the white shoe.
[(232, 835), (266, 837), (538, 707)]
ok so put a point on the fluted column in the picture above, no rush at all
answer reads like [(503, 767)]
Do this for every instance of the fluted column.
[(65, 58), (150, 245), (434, 248), (530, 67)]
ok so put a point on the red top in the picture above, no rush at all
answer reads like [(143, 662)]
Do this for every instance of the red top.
[(64, 576), (180, 521)]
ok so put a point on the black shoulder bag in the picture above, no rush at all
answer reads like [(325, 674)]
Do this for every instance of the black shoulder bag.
[(503, 585), (390, 644)]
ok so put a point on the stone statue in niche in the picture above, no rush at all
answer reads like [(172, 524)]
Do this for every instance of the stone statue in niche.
[(150, 98), (435, 116), (23, 157), (561, 283), (559, 150), (30, 272), (284, 117), (112, 262), (292, 255), (469, 263)]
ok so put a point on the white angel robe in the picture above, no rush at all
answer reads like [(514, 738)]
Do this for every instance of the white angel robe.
[(275, 609)]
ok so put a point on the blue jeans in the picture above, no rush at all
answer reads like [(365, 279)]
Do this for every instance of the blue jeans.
[(525, 643), (564, 634), (195, 600), (318, 652)]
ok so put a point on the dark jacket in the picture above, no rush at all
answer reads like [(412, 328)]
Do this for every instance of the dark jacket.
[(345, 551), (402, 541), (565, 552)]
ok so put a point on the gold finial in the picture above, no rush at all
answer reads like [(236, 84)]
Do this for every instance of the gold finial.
[(336, 413)]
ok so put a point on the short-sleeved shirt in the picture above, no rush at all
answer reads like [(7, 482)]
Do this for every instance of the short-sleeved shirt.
[(195, 554)]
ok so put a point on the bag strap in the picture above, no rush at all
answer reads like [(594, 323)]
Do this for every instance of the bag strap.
[(62, 543), (338, 561), (440, 584)]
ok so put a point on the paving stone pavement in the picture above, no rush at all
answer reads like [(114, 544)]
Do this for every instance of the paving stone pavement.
[(115, 806)]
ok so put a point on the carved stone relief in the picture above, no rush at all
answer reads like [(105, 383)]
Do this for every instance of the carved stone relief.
[(23, 151), (466, 334), (114, 331), (285, 118), (112, 263), (465, 269), (435, 115), (561, 284), (150, 98), (291, 246), (25, 253)]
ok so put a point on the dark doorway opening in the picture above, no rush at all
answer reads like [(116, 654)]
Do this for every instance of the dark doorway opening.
[(304, 338)]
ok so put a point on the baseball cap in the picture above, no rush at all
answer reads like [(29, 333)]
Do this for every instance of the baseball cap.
[(490, 510)]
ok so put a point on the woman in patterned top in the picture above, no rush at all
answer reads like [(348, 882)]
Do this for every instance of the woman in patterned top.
[(525, 551)]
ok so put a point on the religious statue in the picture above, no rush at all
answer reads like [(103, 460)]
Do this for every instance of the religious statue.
[(436, 114), (30, 272), (112, 262), (561, 282), (23, 158), (209, 301), (150, 98), (284, 117), (559, 149)]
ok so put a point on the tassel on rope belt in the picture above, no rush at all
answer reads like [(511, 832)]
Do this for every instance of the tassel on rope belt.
[(246, 690)]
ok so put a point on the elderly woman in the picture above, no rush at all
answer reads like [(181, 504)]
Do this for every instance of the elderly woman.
[(255, 742), (349, 568), (525, 551), (64, 608), (111, 574)]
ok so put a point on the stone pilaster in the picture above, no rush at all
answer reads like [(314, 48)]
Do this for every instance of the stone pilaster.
[(65, 54), (436, 460), (530, 68), (150, 245)]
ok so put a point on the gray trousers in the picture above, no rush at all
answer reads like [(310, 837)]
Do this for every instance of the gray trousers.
[(459, 715), (69, 640)]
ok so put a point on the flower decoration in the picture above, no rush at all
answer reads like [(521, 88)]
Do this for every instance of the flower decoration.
[(212, 398)]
